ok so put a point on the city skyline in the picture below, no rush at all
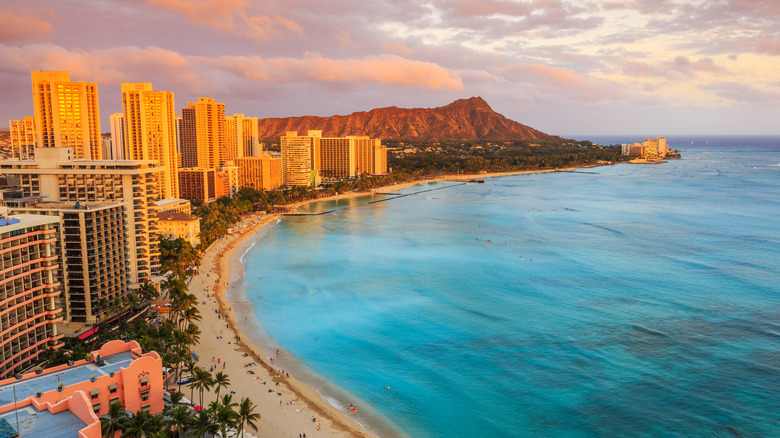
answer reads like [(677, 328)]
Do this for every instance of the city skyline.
[(594, 67)]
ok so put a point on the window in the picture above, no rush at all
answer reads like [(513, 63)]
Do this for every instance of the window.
[(144, 396), (112, 388)]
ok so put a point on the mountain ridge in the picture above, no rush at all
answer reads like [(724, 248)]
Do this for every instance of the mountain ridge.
[(463, 119)]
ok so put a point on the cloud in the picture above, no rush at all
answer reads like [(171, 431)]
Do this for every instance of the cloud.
[(396, 48), (572, 85), (230, 16), (104, 66), (20, 23), (382, 69), (742, 92), (768, 47)]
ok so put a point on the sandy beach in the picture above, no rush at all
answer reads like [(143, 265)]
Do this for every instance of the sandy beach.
[(287, 415), (288, 406)]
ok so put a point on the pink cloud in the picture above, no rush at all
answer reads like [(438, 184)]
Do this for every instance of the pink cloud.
[(104, 66), (396, 49), (21, 23), (768, 47), (547, 75), (570, 85), (383, 69), (677, 68), (230, 16)]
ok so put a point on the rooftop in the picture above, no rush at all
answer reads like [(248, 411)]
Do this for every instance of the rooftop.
[(75, 374), (43, 423), (176, 216)]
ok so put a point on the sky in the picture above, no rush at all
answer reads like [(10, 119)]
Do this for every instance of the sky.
[(600, 67)]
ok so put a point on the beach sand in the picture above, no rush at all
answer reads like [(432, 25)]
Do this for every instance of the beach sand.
[(218, 341), (291, 413)]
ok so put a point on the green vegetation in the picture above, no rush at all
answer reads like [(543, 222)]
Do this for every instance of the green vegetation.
[(428, 158), (179, 420)]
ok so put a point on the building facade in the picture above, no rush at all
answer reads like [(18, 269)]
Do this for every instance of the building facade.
[(30, 284), (337, 158), (169, 205), (198, 184), (23, 138), (300, 158), (67, 114), (260, 173), (370, 156), (117, 122), (174, 225), (150, 132), (54, 173), (203, 134), (95, 259)]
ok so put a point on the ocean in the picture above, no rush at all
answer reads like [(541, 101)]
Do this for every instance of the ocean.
[(625, 300)]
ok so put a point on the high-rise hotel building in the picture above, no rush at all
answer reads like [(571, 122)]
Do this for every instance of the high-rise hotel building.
[(23, 138), (67, 114), (29, 286), (337, 158), (307, 158), (117, 122), (203, 139), (370, 156), (301, 158), (93, 243), (57, 175), (243, 137), (260, 173), (150, 132)]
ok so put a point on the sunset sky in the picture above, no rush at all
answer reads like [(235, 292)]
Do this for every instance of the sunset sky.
[(645, 67)]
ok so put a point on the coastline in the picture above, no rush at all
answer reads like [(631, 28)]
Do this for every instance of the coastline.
[(294, 410)]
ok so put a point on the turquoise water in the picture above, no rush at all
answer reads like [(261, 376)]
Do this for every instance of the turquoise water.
[(634, 300)]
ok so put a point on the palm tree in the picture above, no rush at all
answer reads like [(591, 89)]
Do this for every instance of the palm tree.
[(224, 415), (147, 291), (176, 398), (191, 368), (139, 425), (247, 415), (202, 381), (203, 424), (221, 380), (113, 421), (179, 419)]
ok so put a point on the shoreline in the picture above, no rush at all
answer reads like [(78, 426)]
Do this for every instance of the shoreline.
[(287, 419), (286, 405)]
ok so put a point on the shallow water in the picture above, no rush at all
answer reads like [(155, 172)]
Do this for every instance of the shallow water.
[(632, 300)]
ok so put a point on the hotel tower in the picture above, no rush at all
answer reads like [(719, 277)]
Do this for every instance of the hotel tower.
[(67, 114), (150, 132)]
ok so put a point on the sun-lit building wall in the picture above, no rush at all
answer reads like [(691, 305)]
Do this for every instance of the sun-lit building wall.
[(67, 114)]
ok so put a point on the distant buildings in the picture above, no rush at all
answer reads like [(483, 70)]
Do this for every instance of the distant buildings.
[(260, 173), (30, 285), (306, 160), (301, 158), (117, 123), (23, 138), (649, 149)]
